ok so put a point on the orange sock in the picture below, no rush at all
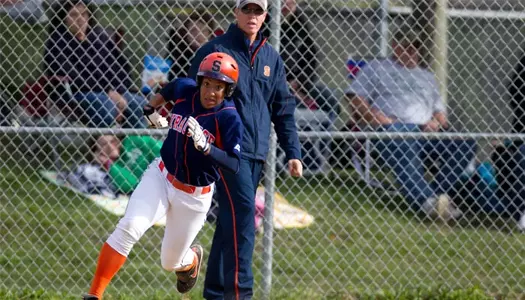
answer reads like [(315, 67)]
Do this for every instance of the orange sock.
[(109, 262), (193, 263)]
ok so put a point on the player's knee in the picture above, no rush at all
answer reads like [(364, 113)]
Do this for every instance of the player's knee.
[(127, 234), (134, 228)]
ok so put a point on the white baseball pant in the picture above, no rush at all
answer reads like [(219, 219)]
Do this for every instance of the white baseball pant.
[(154, 198)]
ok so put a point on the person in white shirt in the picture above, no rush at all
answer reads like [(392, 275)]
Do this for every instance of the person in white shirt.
[(396, 94)]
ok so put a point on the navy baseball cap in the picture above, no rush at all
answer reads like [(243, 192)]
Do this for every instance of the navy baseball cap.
[(262, 3)]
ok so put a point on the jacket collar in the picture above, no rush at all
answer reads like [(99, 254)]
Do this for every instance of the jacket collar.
[(239, 35)]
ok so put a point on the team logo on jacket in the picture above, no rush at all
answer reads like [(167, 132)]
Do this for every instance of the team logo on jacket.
[(179, 124), (266, 71)]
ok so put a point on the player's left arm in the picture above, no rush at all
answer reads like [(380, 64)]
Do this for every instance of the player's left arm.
[(226, 152)]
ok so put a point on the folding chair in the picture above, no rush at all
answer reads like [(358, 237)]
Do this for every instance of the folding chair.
[(364, 158), (316, 152)]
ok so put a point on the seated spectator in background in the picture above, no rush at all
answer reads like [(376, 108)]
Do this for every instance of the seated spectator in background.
[(301, 56), (309, 109), (196, 30), (117, 166), (396, 95), (310, 117), (28, 11), (100, 82), (502, 191), (498, 187), (4, 110)]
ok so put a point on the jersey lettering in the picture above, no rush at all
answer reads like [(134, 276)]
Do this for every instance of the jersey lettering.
[(209, 137), (180, 125), (176, 120)]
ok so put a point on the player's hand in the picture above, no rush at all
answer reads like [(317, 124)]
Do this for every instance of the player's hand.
[(295, 167), (196, 133), (155, 120)]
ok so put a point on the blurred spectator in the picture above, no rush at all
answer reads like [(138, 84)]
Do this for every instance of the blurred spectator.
[(28, 11), (301, 56), (81, 50), (396, 95), (196, 29), (116, 167), (310, 117), (502, 191), (4, 110), (498, 187), (317, 105)]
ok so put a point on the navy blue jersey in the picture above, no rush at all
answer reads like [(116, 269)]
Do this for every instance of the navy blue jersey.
[(262, 95), (221, 125)]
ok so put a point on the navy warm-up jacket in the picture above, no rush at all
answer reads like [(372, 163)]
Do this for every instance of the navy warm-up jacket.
[(262, 95)]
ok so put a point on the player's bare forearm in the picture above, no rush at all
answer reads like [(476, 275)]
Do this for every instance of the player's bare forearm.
[(157, 100)]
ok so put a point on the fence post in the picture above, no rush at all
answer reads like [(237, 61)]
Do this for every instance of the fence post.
[(383, 40), (270, 172)]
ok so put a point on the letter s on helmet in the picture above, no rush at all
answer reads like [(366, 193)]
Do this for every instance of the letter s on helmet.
[(220, 66)]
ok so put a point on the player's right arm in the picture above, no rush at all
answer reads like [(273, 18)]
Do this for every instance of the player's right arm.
[(176, 89)]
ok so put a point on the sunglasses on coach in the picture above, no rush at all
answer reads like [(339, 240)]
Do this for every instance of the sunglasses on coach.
[(256, 11)]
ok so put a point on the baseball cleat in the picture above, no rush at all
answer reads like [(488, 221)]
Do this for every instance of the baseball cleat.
[(89, 297), (186, 280)]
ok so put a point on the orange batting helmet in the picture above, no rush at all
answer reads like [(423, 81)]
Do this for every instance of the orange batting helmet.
[(220, 66)]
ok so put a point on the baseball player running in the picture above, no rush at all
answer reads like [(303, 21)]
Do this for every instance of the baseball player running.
[(180, 184)]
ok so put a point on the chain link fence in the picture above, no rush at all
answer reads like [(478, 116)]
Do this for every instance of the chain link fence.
[(359, 221)]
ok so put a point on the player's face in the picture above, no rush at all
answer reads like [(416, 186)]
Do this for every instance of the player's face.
[(250, 18), (212, 92)]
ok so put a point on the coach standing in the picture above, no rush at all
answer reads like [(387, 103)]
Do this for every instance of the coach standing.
[(262, 97)]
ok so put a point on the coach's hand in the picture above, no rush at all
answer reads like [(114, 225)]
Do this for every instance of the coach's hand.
[(196, 133), (295, 167)]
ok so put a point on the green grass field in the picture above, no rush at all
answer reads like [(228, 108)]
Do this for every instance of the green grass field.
[(359, 246)]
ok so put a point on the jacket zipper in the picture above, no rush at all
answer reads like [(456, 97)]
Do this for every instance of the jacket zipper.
[(252, 63)]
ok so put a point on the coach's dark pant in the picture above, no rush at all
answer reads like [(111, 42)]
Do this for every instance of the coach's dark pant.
[(229, 274)]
